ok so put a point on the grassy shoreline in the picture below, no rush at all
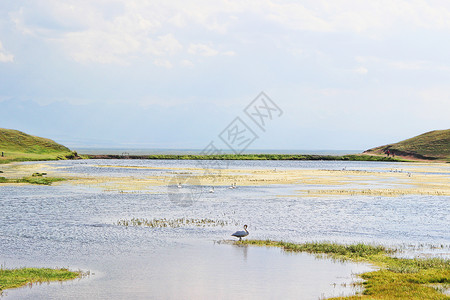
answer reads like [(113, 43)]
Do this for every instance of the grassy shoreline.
[(397, 278), (349, 157), (14, 278), (32, 180), (298, 157), (19, 158), (10, 157)]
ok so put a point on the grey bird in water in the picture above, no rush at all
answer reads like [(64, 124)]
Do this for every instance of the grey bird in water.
[(241, 234)]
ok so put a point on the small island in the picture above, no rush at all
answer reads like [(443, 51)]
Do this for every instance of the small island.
[(14, 278)]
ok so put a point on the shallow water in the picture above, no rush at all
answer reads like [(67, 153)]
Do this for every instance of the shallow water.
[(72, 225), (204, 271)]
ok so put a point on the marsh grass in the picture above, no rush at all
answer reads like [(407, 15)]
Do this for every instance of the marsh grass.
[(350, 157), (14, 278), (38, 174), (379, 192), (172, 223), (336, 251), (397, 278), (32, 180), (41, 180)]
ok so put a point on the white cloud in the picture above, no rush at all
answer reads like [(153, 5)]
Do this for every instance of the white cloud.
[(296, 16), (98, 46), (118, 31), (89, 32), (164, 45), (229, 53), (163, 63), (361, 70), (366, 16), (206, 50), (202, 49), (187, 63), (5, 56)]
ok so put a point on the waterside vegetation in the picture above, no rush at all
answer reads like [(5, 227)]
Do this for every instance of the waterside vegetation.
[(396, 278), (173, 223), (32, 180), (350, 157), (14, 278)]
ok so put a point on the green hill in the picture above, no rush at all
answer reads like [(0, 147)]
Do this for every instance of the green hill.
[(431, 145), (19, 146)]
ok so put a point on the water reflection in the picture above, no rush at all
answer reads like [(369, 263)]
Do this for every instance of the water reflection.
[(243, 249)]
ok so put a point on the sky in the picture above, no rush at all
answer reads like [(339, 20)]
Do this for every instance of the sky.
[(344, 74)]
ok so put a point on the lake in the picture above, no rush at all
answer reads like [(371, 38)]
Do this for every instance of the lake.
[(74, 224)]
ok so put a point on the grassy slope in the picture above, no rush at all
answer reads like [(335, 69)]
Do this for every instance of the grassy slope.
[(14, 278), (431, 145), (19, 146), (397, 278)]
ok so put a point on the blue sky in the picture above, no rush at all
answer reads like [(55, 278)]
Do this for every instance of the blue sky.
[(174, 74)]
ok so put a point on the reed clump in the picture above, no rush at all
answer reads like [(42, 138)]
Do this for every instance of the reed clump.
[(172, 223)]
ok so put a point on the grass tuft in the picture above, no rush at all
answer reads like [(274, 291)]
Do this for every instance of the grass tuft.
[(14, 278), (173, 223), (32, 180)]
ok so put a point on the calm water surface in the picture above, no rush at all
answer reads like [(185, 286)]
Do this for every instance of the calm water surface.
[(73, 226)]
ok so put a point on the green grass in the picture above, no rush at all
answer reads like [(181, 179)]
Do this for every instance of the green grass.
[(19, 146), (272, 157), (337, 251), (397, 278), (32, 180), (430, 145), (350, 157), (14, 278)]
